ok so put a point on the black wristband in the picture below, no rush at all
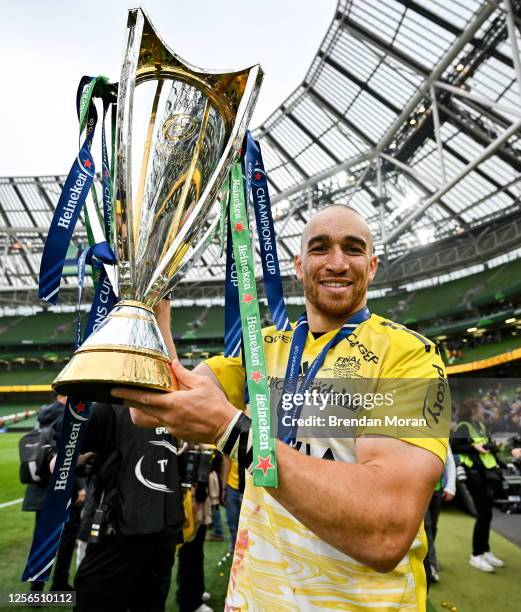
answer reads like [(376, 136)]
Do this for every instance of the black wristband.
[(243, 451), (234, 434)]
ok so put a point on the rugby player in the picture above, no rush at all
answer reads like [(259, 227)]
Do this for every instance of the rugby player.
[(343, 530)]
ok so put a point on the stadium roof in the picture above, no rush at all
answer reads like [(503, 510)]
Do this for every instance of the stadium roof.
[(410, 112), (413, 93)]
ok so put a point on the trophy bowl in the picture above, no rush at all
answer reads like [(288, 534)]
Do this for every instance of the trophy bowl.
[(187, 130)]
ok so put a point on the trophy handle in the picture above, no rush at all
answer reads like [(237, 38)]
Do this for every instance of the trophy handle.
[(123, 213)]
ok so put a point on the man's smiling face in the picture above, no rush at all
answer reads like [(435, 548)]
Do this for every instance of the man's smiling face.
[(336, 262)]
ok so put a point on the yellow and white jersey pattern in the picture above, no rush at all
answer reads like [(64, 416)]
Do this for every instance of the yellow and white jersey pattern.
[(279, 564)]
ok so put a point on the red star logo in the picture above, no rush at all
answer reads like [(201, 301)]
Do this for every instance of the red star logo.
[(257, 176), (80, 407), (87, 163), (105, 173), (256, 376), (239, 227), (264, 464), (247, 298)]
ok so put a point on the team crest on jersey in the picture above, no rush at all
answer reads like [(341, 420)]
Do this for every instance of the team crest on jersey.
[(346, 366)]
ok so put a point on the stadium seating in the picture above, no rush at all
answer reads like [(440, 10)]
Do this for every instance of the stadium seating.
[(29, 376), (485, 351), (43, 328), (33, 348)]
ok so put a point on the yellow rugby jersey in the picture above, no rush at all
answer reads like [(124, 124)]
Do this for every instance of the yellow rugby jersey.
[(278, 563), (233, 475)]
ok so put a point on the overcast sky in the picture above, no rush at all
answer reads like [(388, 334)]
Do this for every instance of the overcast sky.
[(47, 46)]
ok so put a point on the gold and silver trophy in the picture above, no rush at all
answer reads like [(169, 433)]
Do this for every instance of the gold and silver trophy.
[(166, 211)]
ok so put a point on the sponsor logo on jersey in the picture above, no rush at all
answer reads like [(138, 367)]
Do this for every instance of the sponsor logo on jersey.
[(367, 354), (433, 407), (277, 338)]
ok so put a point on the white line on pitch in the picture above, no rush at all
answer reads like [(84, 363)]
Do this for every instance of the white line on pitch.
[(11, 503)]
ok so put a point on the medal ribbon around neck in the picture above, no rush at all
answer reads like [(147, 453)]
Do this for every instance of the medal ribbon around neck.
[(287, 433)]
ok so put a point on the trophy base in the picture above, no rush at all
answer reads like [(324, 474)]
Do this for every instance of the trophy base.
[(91, 375), (126, 350)]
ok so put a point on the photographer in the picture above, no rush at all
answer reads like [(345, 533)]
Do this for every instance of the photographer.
[(472, 443), (139, 516), (196, 466)]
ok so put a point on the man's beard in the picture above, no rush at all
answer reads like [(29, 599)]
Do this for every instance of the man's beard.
[(330, 305)]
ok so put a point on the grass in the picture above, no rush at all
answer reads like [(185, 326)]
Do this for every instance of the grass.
[(463, 586), (460, 585), (10, 486)]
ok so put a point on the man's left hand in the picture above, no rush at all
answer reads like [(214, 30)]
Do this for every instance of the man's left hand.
[(200, 412)]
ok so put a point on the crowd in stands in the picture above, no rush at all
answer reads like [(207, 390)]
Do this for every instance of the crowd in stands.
[(456, 348), (501, 408)]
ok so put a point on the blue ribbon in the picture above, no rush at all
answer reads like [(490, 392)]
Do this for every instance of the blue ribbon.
[(66, 215), (68, 209), (56, 507), (55, 511), (104, 297), (106, 181), (257, 182), (287, 433), (232, 312)]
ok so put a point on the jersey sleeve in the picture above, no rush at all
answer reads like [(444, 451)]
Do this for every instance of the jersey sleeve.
[(414, 374), (230, 374)]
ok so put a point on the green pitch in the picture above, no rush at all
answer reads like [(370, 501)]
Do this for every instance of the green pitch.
[(460, 585), (464, 587)]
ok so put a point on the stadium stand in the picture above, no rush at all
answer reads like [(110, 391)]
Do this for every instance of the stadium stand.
[(35, 347)]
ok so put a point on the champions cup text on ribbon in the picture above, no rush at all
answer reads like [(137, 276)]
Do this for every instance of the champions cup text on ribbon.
[(257, 183), (264, 449), (76, 414)]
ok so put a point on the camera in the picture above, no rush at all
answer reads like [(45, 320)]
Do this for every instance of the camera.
[(194, 466)]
